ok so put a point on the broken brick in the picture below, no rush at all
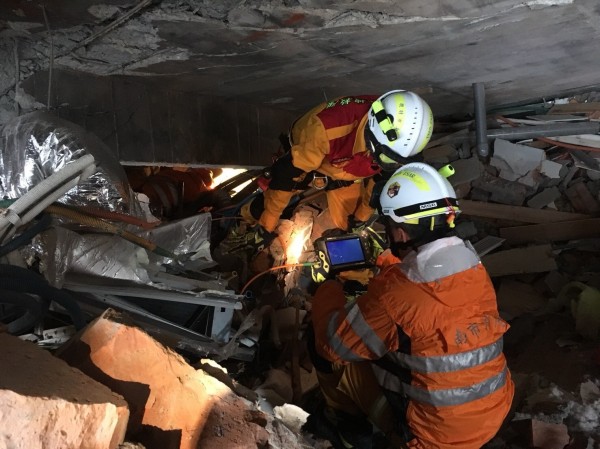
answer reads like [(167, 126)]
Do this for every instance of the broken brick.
[(46, 403), (581, 198), (548, 435), (503, 191), (544, 198), (171, 403)]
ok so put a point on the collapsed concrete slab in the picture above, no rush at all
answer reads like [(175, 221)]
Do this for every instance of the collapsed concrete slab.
[(173, 406), (45, 403), (519, 159)]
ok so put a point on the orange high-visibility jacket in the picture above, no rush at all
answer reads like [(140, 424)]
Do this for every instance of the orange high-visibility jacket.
[(443, 300), (329, 139)]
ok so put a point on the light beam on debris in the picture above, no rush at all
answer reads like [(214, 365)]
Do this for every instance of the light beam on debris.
[(226, 175), (296, 244)]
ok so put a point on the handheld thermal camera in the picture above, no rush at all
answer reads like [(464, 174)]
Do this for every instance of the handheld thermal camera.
[(344, 252)]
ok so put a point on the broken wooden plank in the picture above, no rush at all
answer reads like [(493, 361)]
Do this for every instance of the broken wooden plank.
[(585, 140), (550, 232), (516, 213), (557, 118), (571, 108), (533, 259)]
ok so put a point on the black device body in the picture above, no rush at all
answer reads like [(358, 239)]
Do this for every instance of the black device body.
[(344, 252)]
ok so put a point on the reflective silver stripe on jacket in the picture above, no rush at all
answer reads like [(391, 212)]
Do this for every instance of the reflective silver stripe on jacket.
[(457, 396), (387, 380), (360, 326), (450, 362), (336, 343)]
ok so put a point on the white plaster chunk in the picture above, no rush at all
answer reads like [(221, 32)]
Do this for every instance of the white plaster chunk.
[(538, 4), (520, 158), (291, 415), (551, 169)]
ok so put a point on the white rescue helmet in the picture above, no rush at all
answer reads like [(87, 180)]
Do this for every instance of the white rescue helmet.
[(417, 191), (399, 126)]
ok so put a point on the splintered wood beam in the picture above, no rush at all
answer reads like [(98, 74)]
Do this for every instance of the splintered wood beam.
[(516, 213), (533, 259), (552, 232)]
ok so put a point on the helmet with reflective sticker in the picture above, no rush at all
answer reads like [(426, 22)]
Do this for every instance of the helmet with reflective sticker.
[(400, 124), (417, 191)]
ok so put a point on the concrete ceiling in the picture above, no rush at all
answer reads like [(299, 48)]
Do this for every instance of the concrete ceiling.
[(294, 53)]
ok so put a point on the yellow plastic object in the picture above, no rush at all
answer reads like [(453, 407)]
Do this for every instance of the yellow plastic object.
[(585, 308), (385, 123), (446, 171)]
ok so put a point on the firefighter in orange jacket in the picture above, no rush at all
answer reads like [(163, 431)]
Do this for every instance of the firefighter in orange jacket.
[(338, 146), (438, 377)]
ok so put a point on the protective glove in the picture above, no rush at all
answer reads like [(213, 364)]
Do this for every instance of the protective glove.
[(356, 226), (320, 269), (376, 243), (252, 239)]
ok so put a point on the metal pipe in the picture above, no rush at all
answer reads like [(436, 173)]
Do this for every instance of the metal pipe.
[(532, 132), (526, 132), (17, 74), (480, 119), (51, 60)]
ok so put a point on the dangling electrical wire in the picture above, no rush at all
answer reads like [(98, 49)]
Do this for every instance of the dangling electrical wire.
[(279, 267)]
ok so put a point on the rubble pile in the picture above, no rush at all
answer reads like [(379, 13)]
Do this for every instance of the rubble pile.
[(531, 211), (182, 346)]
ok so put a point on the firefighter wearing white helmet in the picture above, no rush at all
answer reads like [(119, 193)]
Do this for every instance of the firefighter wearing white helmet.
[(429, 323), (418, 193), (338, 146), (400, 125)]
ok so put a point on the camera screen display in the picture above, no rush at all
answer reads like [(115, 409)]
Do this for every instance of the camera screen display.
[(345, 251)]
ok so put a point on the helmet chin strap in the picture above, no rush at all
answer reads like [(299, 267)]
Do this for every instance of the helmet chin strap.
[(387, 159), (418, 234)]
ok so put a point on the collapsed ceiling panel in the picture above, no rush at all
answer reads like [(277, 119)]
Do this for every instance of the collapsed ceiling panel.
[(295, 53)]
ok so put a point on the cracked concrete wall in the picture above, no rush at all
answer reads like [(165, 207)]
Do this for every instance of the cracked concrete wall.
[(145, 124)]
